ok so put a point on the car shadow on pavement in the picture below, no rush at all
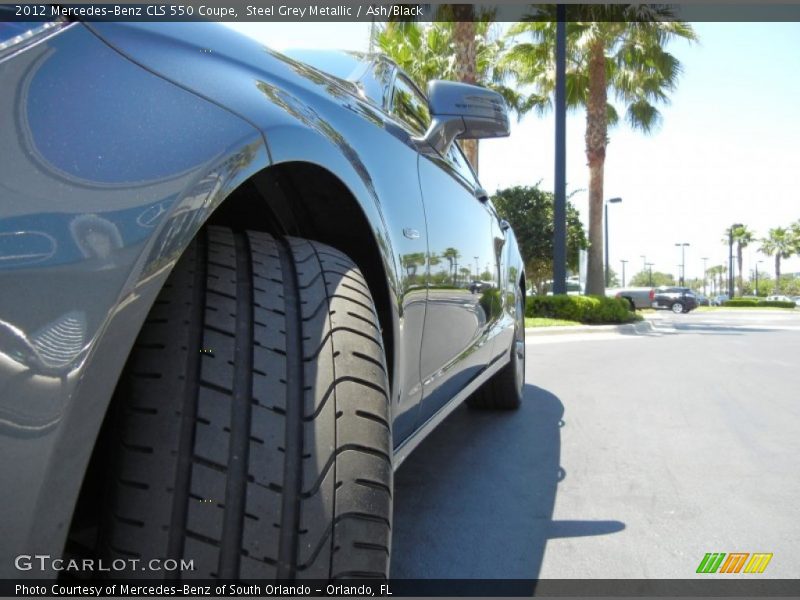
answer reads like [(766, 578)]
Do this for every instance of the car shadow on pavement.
[(475, 499)]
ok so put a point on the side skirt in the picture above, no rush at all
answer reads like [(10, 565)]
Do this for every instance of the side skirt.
[(410, 443)]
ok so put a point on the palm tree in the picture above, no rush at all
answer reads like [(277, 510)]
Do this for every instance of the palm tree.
[(412, 262), (717, 273), (464, 33), (422, 51), (781, 243), (742, 236), (452, 255), (795, 228), (616, 49), (452, 49)]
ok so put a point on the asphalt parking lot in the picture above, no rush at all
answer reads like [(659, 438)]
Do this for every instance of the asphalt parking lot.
[(632, 456)]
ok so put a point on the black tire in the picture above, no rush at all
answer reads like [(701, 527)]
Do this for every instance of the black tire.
[(677, 307), (253, 434), (504, 390), (631, 304)]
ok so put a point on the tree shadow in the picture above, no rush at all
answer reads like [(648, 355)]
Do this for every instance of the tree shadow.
[(677, 328), (475, 499), (654, 332)]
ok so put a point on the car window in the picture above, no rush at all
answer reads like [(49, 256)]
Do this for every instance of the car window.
[(378, 84), (410, 105), (456, 156)]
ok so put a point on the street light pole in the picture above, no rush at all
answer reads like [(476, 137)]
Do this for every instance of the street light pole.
[(730, 259), (683, 261), (758, 262), (560, 178), (705, 260), (650, 269), (605, 221), (624, 262)]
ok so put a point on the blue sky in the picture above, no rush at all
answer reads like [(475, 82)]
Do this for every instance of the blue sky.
[(728, 150)]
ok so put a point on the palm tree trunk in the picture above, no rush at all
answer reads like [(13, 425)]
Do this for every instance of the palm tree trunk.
[(465, 65), (777, 272), (739, 264), (596, 139)]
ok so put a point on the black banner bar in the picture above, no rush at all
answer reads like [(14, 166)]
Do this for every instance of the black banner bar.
[(341, 11), (745, 586)]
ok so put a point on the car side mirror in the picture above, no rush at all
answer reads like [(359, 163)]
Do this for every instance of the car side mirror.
[(463, 111)]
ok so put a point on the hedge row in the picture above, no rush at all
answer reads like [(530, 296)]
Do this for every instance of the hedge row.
[(586, 309), (752, 302)]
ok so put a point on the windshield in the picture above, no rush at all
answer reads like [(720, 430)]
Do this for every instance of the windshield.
[(349, 66)]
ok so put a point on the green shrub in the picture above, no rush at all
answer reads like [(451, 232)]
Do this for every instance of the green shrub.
[(740, 302), (753, 303), (491, 302), (586, 309), (778, 304)]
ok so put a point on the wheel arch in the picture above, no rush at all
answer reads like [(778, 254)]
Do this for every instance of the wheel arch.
[(631, 303), (304, 199), (295, 198)]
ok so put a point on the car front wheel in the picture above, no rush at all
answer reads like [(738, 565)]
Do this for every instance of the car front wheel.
[(677, 307), (252, 420)]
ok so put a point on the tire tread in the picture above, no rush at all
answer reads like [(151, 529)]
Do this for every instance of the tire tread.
[(253, 418)]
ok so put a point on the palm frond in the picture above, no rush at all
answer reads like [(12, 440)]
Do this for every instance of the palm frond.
[(643, 116), (640, 72), (612, 116)]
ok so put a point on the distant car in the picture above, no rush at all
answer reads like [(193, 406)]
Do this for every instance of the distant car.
[(719, 299), (796, 300), (702, 300), (574, 287), (677, 299), (637, 297), (478, 287), (780, 298)]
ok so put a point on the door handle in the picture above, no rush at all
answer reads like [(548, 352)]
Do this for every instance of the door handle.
[(481, 194)]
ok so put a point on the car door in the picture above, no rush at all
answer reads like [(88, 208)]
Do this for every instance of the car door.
[(406, 119), (463, 278), (459, 269)]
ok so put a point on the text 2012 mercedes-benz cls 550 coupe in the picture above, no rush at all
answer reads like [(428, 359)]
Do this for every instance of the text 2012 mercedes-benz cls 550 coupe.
[(234, 295)]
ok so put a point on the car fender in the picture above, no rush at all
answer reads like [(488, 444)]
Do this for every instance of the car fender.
[(305, 116), (97, 225)]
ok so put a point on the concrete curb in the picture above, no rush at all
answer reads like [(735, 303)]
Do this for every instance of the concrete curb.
[(638, 328)]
